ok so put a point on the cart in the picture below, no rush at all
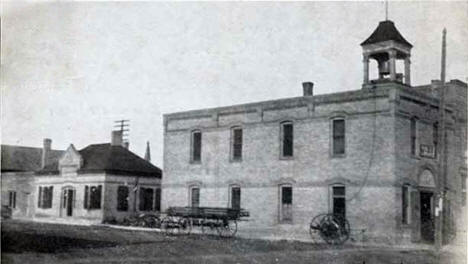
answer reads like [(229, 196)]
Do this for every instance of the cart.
[(334, 229), (181, 220)]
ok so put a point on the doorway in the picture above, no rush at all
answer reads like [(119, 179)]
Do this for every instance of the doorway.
[(68, 197), (427, 218)]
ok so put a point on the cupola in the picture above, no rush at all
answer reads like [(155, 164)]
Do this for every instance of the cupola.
[(386, 45)]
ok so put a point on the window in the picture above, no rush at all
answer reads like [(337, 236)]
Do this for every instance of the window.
[(435, 137), (235, 197), (236, 144), (157, 199), (146, 199), (286, 203), (196, 146), (122, 198), (195, 196), (287, 139), (463, 190), (406, 204), (45, 197), (92, 199), (339, 201), (338, 136), (413, 136), (12, 199)]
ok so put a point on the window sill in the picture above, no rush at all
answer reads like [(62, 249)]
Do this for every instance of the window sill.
[(235, 160), (338, 156), (195, 162), (286, 158)]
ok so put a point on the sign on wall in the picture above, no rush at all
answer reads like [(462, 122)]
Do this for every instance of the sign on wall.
[(426, 151)]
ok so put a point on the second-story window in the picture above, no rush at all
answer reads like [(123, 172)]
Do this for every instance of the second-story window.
[(338, 136), (435, 137), (196, 146), (287, 139), (236, 141), (413, 136)]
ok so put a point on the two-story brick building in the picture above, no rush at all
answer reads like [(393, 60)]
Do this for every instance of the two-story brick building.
[(367, 154)]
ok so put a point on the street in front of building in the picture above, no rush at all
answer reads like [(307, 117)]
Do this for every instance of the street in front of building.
[(32, 242)]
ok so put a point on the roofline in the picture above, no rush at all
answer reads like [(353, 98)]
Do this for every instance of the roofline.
[(114, 172), (353, 95)]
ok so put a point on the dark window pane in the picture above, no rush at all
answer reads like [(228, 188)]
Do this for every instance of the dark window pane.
[(122, 198), (39, 199), (413, 136), (195, 197), (286, 195), (287, 140), (196, 148), (237, 144), (339, 190), (86, 195), (338, 127), (95, 197), (235, 197), (338, 136), (157, 203)]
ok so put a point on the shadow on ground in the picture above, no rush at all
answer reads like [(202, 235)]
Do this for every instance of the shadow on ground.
[(17, 242)]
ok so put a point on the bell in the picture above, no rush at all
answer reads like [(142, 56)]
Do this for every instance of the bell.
[(384, 68)]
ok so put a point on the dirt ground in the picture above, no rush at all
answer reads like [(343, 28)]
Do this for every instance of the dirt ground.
[(29, 242)]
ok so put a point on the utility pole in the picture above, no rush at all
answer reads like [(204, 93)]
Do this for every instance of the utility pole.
[(442, 153)]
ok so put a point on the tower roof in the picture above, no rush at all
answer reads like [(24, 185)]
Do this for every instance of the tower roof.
[(384, 32)]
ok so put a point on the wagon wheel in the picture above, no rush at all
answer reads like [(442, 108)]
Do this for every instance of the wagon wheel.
[(208, 226), (169, 225), (151, 221), (185, 225), (334, 229), (315, 227), (226, 227)]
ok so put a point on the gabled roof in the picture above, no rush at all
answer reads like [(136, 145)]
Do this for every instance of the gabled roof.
[(18, 158), (385, 31), (111, 159)]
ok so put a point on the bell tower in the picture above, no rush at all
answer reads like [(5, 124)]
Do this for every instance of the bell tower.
[(386, 45)]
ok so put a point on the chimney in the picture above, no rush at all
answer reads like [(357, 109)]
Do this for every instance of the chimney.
[(126, 144), (46, 147), (117, 138), (308, 88)]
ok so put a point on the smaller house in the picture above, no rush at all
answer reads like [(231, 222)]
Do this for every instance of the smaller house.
[(17, 175), (102, 182)]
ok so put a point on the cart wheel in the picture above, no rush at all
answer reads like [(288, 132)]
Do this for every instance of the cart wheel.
[(315, 227), (334, 229), (208, 226), (226, 227), (185, 225), (168, 225)]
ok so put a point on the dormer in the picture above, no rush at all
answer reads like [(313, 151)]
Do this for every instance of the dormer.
[(71, 161)]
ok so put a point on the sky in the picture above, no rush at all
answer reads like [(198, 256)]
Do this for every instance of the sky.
[(70, 69)]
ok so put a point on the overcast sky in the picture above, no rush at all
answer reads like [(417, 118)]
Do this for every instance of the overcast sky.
[(70, 69)]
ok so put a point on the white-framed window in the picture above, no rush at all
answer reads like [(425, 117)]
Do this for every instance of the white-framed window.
[(157, 199), (12, 199), (92, 197), (463, 190), (338, 200), (195, 146), (146, 199), (287, 139), (435, 138), (122, 198), (406, 204), (286, 203), (45, 197), (338, 136), (413, 136), (235, 196), (236, 143), (194, 192)]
